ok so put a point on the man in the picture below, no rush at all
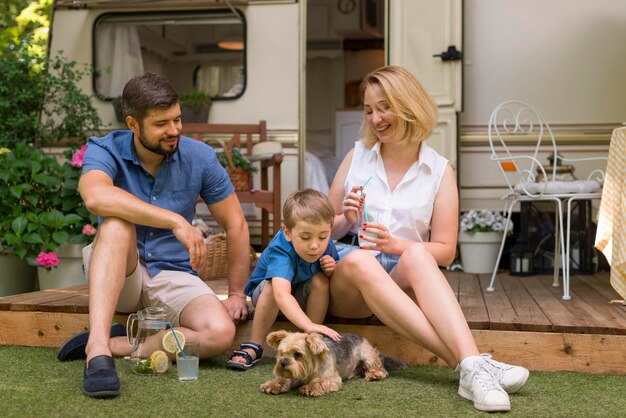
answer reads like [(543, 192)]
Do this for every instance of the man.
[(143, 184)]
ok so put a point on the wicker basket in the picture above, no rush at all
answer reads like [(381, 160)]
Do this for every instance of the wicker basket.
[(239, 177), (216, 266)]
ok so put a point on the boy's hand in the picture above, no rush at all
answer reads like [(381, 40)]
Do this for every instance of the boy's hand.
[(324, 330), (328, 265)]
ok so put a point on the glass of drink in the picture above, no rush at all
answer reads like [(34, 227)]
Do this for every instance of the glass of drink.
[(364, 217), (187, 365)]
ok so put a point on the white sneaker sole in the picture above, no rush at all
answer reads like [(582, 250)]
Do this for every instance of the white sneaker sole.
[(481, 406)]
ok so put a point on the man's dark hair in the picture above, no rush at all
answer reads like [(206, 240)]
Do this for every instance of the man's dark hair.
[(147, 91)]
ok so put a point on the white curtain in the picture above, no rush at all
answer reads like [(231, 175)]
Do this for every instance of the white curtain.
[(315, 174), (220, 79), (118, 57)]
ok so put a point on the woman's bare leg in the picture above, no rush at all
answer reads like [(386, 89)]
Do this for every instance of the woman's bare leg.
[(418, 271), (361, 286)]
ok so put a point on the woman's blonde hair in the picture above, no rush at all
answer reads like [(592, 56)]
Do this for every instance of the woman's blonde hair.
[(406, 99), (307, 205)]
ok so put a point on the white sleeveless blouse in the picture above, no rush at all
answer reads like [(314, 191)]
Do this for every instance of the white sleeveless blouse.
[(406, 211)]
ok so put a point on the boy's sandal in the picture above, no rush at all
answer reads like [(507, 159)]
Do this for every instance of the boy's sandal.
[(258, 351)]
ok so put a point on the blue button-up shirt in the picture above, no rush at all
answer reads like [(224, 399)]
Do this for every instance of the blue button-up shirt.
[(192, 171)]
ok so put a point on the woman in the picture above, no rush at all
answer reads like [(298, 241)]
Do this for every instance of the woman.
[(412, 204)]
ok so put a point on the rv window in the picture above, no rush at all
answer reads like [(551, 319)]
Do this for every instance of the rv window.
[(202, 51)]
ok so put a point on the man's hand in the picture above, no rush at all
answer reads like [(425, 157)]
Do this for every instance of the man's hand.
[(237, 307), (328, 265), (193, 242)]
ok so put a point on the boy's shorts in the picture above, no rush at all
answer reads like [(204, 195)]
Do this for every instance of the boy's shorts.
[(168, 289), (300, 292)]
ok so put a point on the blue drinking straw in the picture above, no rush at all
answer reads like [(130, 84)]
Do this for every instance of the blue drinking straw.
[(362, 195), (169, 324)]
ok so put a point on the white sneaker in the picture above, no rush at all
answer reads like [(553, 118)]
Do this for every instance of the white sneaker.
[(478, 385), (511, 378)]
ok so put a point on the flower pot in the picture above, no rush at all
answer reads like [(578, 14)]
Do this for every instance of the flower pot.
[(195, 113), (17, 275), (479, 251), (69, 271)]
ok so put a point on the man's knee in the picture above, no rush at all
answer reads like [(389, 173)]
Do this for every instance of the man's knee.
[(217, 338), (118, 228)]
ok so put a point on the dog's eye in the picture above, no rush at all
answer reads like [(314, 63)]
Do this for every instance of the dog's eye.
[(297, 355)]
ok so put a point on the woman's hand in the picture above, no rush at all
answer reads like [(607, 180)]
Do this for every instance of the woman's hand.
[(384, 241), (324, 330), (352, 204), (328, 265)]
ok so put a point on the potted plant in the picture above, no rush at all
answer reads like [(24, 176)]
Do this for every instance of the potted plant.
[(239, 168), (195, 106), (39, 211), (480, 237)]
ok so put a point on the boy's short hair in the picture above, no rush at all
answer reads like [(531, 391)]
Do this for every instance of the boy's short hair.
[(145, 92), (307, 205)]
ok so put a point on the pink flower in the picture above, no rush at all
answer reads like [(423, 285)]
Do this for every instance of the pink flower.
[(47, 260), (89, 230), (77, 157)]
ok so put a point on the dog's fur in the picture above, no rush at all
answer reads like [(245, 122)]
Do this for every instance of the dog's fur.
[(317, 364)]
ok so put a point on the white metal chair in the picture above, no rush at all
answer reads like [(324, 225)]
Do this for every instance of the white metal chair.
[(529, 181)]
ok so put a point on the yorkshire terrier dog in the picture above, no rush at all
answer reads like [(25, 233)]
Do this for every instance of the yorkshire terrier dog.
[(317, 365)]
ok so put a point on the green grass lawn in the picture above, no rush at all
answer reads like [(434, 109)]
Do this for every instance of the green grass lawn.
[(34, 384)]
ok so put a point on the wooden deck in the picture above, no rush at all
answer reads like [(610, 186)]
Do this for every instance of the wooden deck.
[(523, 322)]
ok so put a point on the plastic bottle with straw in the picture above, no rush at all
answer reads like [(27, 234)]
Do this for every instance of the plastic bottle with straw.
[(364, 218)]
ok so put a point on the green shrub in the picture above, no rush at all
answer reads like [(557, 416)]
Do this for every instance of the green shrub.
[(44, 107)]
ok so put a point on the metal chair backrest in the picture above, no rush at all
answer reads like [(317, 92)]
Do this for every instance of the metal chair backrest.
[(515, 121)]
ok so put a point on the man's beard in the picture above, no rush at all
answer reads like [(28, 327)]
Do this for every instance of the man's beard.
[(157, 149)]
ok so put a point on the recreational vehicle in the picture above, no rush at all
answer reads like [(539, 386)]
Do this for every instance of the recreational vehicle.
[(297, 65)]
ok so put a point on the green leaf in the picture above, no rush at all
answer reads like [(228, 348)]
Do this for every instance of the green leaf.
[(20, 252), (19, 225), (32, 238), (60, 237), (33, 199), (17, 190), (11, 239), (72, 219), (52, 219)]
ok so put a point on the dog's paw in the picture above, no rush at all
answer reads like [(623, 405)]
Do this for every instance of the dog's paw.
[(271, 388), (309, 390), (274, 387), (376, 374)]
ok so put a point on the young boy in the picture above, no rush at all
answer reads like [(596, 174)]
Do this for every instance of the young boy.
[(292, 275)]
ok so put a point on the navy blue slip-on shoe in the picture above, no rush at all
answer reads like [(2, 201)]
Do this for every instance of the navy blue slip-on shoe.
[(74, 347), (100, 379)]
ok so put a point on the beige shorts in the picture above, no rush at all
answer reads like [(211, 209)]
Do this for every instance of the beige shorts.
[(168, 289)]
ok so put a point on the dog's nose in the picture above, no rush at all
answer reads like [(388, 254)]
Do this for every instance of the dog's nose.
[(283, 363)]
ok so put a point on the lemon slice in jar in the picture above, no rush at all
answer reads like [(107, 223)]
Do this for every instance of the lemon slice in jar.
[(169, 342), (159, 362)]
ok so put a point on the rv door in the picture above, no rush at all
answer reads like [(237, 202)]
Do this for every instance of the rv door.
[(425, 37)]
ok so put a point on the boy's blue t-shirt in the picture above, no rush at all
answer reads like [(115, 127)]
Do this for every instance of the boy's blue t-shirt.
[(280, 259)]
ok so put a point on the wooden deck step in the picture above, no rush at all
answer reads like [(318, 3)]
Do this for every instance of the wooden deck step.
[(524, 321)]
